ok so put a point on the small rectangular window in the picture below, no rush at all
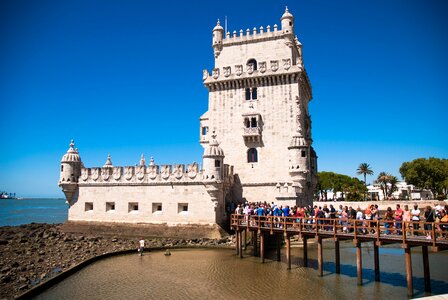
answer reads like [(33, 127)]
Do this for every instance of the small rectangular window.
[(157, 208), (182, 208), (204, 130), (88, 206), (110, 206), (217, 163), (133, 207), (62, 168), (303, 153)]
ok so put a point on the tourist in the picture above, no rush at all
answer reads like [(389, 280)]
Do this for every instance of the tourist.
[(443, 225), (429, 218), (141, 246), (406, 218), (398, 219), (344, 219), (415, 213), (388, 217)]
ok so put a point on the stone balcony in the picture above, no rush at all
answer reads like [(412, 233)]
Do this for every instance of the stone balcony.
[(252, 134)]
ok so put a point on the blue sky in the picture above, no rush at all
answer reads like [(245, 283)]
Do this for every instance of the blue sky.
[(124, 77)]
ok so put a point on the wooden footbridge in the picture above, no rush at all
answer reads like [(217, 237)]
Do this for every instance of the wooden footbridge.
[(380, 232)]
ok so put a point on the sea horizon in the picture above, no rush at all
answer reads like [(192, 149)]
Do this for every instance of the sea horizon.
[(15, 212)]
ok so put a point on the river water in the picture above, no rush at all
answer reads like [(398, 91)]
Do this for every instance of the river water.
[(220, 274)]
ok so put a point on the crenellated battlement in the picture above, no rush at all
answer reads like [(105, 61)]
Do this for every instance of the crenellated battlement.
[(147, 174), (255, 35)]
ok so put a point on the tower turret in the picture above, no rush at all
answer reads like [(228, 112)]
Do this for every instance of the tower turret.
[(70, 172), (213, 159), (287, 22), (218, 35)]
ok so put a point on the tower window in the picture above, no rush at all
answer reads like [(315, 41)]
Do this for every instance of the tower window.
[(88, 206), (251, 93), (110, 206), (62, 168), (252, 155), (254, 62), (204, 130), (217, 163), (253, 122), (303, 153), (182, 208), (157, 208)]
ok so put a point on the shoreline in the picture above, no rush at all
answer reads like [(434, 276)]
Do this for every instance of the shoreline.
[(32, 254)]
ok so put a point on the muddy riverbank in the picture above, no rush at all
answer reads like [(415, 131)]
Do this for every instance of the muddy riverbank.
[(33, 253)]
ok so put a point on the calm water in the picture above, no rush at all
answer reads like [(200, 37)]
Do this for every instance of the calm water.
[(17, 212), (219, 274)]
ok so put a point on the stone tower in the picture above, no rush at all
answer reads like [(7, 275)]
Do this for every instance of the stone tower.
[(258, 105), (70, 171)]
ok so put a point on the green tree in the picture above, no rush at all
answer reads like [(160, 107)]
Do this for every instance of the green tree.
[(364, 169), (382, 180), (352, 188), (425, 173)]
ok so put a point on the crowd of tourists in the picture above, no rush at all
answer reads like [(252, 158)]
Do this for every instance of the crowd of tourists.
[(346, 218)]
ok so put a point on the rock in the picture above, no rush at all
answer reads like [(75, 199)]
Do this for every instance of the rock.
[(23, 287), (41, 252), (114, 240), (5, 269), (5, 279), (3, 242), (15, 264)]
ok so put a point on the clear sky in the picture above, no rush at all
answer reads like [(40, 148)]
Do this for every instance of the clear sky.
[(125, 78)]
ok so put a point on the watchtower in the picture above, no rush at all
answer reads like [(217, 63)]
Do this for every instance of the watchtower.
[(258, 105)]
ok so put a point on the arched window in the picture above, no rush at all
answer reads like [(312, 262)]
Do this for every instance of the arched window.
[(251, 93), (252, 155), (254, 62)]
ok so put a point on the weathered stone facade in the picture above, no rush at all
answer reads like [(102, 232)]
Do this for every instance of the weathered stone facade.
[(258, 105), (258, 108)]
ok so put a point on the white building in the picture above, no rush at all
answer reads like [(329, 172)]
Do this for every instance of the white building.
[(258, 109), (404, 191)]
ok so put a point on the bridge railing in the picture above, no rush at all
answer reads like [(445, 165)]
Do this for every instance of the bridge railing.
[(340, 227)]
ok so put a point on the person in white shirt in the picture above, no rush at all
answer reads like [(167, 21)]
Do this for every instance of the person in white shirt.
[(141, 246), (415, 217)]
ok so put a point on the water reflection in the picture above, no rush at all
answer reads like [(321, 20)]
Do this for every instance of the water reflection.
[(219, 274)]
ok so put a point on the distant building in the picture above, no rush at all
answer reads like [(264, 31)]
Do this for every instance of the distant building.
[(404, 191), (258, 110)]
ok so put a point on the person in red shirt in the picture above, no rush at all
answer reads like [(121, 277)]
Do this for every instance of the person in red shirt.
[(398, 219)]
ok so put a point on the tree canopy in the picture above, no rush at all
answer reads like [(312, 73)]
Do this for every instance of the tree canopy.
[(425, 173), (364, 169), (351, 188)]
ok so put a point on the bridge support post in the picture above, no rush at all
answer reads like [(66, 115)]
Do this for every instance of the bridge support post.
[(407, 255), (288, 250), (245, 239), (255, 243), (305, 252), (262, 246), (320, 259), (426, 269), (376, 259), (359, 262), (237, 236), (241, 244), (278, 240), (337, 256)]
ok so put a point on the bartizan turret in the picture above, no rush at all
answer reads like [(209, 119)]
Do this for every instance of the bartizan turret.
[(213, 160), (218, 35), (287, 22), (70, 172)]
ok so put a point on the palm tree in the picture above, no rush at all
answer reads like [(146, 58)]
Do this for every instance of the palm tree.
[(364, 169), (383, 179)]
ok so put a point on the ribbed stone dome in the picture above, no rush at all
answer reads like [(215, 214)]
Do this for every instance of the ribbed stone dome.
[(213, 148), (72, 154), (297, 141), (218, 26), (287, 15)]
